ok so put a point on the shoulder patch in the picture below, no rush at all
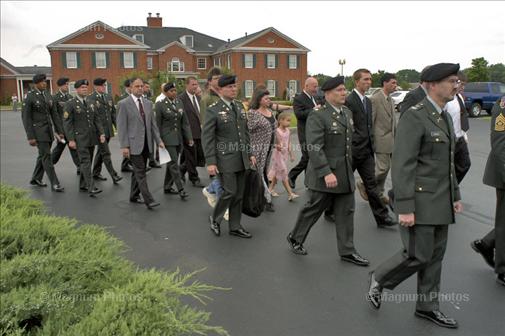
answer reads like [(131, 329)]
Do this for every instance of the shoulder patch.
[(499, 124)]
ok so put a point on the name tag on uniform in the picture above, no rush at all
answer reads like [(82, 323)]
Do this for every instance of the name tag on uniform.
[(435, 134)]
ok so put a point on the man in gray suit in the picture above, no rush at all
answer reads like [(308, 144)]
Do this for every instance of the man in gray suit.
[(136, 131), (384, 126)]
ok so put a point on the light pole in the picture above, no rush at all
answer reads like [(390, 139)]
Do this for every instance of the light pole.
[(342, 63)]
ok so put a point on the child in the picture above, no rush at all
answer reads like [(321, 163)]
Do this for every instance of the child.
[(212, 192), (279, 163)]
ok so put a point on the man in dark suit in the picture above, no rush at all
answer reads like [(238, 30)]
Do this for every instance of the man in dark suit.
[(84, 130), (225, 141), (415, 96), (192, 156), (363, 146), (39, 116), (136, 132), (303, 104), (329, 174), (427, 196), (492, 246)]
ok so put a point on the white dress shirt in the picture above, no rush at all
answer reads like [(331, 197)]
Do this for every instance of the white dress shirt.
[(454, 110), (160, 97), (191, 100), (311, 98)]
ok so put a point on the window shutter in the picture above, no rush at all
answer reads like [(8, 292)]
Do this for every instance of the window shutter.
[(287, 61), (78, 59), (297, 61), (266, 61), (276, 61), (93, 59), (64, 59), (276, 83), (254, 85), (243, 60), (254, 61), (107, 60), (298, 88), (121, 56), (243, 89), (134, 60)]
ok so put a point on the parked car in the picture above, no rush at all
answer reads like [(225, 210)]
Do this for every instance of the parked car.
[(398, 97), (481, 96), (371, 91)]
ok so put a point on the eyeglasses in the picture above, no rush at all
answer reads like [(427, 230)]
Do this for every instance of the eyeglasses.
[(454, 82)]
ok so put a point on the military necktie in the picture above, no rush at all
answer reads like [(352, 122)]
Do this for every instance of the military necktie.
[(234, 109)]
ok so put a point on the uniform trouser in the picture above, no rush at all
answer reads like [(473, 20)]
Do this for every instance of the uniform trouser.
[(173, 174), (302, 165), (382, 167), (103, 156), (343, 209), (58, 150), (44, 163), (424, 249), (233, 185), (495, 239), (189, 159), (461, 159), (139, 178), (366, 169), (85, 157)]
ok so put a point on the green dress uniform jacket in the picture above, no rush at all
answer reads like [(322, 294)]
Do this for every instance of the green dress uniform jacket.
[(494, 174), (423, 174), (225, 137), (106, 110), (39, 114), (172, 122), (82, 124), (59, 100), (329, 133)]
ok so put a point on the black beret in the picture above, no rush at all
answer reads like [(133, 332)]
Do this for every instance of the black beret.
[(332, 83), (80, 83), (99, 81), (39, 78), (439, 71), (168, 86), (62, 81), (127, 83), (226, 80)]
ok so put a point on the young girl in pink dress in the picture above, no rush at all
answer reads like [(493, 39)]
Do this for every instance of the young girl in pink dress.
[(281, 153)]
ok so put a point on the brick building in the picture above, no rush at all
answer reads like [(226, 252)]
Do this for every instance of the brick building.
[(266, 57)]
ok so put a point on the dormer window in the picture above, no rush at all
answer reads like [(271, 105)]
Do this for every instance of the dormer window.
[(139, 37), (187, 40)]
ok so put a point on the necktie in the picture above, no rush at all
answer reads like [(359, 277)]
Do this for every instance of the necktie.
[(234, 109), (313, 100), (141, 109), (364, 105), (84, 103), (195, 104)]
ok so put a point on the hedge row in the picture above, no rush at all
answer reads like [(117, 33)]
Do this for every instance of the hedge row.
[(58, 278)]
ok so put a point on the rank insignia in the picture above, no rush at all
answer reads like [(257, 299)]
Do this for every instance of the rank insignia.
[(499, 125)]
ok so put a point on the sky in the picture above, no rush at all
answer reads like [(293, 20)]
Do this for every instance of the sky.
[(377, 35)]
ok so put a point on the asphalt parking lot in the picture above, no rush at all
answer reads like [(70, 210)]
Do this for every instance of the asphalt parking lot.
[(274, 292)]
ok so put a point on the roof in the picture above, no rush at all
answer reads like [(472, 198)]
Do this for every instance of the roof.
[(27, 70), (157, 38)]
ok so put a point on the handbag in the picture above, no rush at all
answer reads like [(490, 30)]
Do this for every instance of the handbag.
[(253, 202)]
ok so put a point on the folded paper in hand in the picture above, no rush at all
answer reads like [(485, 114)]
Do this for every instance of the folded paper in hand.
[(164, 156)]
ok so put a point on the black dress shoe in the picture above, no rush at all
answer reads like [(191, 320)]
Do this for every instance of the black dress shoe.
[(438, 318), (83, 188), (296, 247), (387, 222), (152, 205), (330, 218), (100, 177), (291, 183), (484, 251), (58, 188), (171, 190), (355, 259), (501, 279), (374, 295), (214, 226), (197, 184), (240, 233), (154, 164), (93, 192), (137, 200), (183, 194), (38, 183), (269, 207), (116, 179)]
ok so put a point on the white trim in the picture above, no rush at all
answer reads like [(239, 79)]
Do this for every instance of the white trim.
[(296, 61), (132, 60), (10, 69), (138, 39), (200, 58), (270, 56), (251, 82), (67, 66), (265, 49), (273, 92), (175, 43), (183, 38), (147, 62), (96, 46), (104, 59), (245, 61)]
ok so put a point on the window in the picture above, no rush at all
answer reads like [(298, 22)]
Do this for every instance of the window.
[(249, 88), (139, 37), (201, 63), (100, 60), (128, 62), (149, 63), (217, 61), (176, 65), (187, 40), (248, 61), (271, 88), (71, 57), (71, 89), (229, 61), (498, 88), (271, 61), (476, 87), (292, 88), (293, 61), (108, 88)]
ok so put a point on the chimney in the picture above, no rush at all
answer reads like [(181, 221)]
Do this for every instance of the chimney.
[(154, 22), (245, 34)]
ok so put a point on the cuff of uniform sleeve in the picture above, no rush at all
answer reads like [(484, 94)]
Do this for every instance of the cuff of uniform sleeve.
[(211, 161), (405, 206), (323, 171), (457, 196)]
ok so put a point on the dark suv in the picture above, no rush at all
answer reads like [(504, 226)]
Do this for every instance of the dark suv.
[(481, 96)]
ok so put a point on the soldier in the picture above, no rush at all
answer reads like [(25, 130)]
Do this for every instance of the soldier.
[(126, 165), (329, 176), (39, 116), (492, 246), (59, 99), (427, 195), (84, 130), (174, 129), (225, 142), (106, 111)]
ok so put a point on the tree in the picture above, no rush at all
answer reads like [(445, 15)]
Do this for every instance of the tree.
[(321, 78), (479, 71), (376, 78), (408, 76), (497, 73)]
